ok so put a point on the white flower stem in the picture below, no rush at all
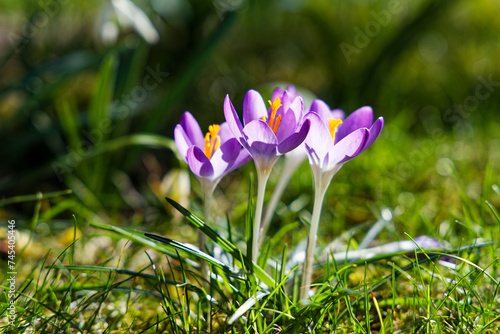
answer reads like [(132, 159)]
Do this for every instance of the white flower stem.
[(319, 195), (289, 167), (202, 239), (262, 177), (208, 190)]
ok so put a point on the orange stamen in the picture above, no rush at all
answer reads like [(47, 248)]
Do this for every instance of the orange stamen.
[(212, 140), (274, 122), (334, 123)]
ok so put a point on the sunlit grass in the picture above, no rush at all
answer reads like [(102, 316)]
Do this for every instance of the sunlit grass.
[(115, 277)]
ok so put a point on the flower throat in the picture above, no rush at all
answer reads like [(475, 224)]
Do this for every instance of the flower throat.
[(334, 124)]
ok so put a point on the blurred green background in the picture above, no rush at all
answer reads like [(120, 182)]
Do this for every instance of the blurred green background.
[(80, 80)]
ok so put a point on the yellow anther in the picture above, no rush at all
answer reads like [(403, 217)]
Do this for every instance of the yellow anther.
[(212, 140), (274, 122), (334, 123)]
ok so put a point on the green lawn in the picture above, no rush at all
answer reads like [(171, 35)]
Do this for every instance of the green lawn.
[(104, 212)]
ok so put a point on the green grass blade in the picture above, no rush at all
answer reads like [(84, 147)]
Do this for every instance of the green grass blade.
[(223, 242), (70, 123), (193, 251), (137, 237), (34, 197), (100, 118), (493, 211), (207, 230), (246, 306)]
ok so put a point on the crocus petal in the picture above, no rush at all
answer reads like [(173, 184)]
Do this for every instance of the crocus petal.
[(242, 158), (254, 107), (199, 163), (349, 147), (225, 132), (225, 156), (360, 118), (321, 108), (319, 138), (192, 129), (295, 139), (233, 120), (259, 131), (292, 91), (261, 142), (375, 131), (287, 125), (286, 100), (297, 107), (181, 141), (277, 92), (229, 150), (337, 114)]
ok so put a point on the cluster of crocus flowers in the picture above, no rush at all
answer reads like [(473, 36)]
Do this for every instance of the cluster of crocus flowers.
[(266, 133)]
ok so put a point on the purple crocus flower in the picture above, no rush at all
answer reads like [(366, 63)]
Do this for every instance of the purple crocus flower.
[(334, 142), (267, 134), (331, 143), (209, 157)]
